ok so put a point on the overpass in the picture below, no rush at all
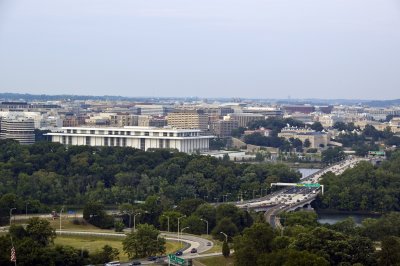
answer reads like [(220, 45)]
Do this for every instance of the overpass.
[(295, 196)]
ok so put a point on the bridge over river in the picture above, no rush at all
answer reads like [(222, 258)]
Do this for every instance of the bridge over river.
[(297, 195)]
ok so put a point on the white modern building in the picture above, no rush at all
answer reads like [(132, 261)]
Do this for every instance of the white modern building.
[(18, 127), (144, 138)]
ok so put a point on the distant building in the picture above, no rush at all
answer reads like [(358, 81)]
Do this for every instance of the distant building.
[(188, 119), (123, 119), (244, 118), (262, 131), (317, 139), (70, 120), (223, 128), (151, 121), (144, 138), (304, 109), (266, 111), (153, 109), (18, 127)]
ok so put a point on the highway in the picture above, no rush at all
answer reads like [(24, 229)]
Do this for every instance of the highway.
[(291, 198), (188, 242)]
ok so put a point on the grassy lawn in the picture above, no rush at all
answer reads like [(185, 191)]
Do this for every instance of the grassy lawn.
[(67, 224), (93, 244), (217, 261), (217, 245)]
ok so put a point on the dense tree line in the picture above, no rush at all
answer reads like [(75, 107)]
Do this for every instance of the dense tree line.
[(306, 242), (34, 245), (364, 187), (53, 174), (362, 141)]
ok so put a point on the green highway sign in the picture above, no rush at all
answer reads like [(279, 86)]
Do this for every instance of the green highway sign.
[(308, 185), (174, 259)]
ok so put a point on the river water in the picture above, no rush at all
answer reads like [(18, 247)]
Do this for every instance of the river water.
[(332, 218), (306, 171)]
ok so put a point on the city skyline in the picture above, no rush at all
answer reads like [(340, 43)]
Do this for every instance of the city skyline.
[(256, 49)]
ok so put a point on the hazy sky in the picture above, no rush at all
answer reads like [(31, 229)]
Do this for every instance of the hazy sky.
[(206, 48)]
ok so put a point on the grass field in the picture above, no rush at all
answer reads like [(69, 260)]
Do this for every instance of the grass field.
[(93, 244), (67, 224), (217, 261), (217, 247)]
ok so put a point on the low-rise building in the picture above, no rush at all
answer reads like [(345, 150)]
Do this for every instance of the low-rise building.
[(144, 138), (262, 131), (316, 139), (244, 118)]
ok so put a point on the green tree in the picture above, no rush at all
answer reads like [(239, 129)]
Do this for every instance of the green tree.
[(144, 242), (307, 143), (173, 220), (254, 241), (290, 258), (95, 214), (390, 253), (303, 218), (106, 254), (40, 231), (227, 226), (196, 226), (317, 126), (225, 249), (189, 206)]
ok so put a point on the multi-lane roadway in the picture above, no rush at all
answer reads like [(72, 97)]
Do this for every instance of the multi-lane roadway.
[(293, 197)]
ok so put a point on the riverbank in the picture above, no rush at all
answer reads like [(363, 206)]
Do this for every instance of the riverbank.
[(335, 211), (333, 216)]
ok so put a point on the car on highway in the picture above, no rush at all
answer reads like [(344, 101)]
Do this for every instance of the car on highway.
[(136, 262), (113, 263), (194, 250), (178, 253), (152, 258)]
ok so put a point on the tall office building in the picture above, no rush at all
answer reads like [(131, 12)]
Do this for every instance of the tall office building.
[(18, 127), (223, 128), (188, 119)]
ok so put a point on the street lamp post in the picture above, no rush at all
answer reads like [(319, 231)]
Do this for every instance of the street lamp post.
[(179, 223), (11, 214), (183, 229), (129, 213), (134, 221), (167, 221), (206, 223), (226, 236)]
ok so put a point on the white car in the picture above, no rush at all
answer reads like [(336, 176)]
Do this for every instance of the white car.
[(113, 263)]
